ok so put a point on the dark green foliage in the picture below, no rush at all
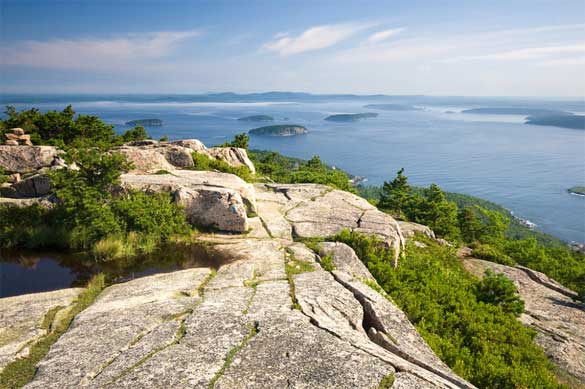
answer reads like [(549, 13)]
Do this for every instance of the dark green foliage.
[(489, 229), (66, 129), (61, 128), (3, 176), (497, 289), (279, 168), (203, 162), (134, 134), (240, 140), (491, 253), (86, 213), (481, 340), (150, 214), (395, 194), (164, 138), (30, 227)]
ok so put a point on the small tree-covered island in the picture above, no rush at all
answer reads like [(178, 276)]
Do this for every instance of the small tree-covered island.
[(388, 286), (350, 117), (279, 130)]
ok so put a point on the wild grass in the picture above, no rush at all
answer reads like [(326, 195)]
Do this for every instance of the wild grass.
[(21, 371)]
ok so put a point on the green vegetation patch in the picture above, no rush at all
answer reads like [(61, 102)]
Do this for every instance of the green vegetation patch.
[(387, 381), (326, 262), (203, 162), (469, 323), (21, 371), (492, 232)]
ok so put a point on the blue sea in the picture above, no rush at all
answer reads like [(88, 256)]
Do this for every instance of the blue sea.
[(523, 167)]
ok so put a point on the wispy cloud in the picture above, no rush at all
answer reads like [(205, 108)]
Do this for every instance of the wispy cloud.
[(384, 35), (523, 54), (314, 38), (94, 53)]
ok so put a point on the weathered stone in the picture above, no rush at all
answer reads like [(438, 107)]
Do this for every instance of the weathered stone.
[(17, 131), (550, 310), (409, 229), (33, 186), (233, 156), (345, 259), (26, 159), (197, 180), (217, 208), (21, 320), (193, 144), (11, 142), (116, 329), (45, 202), (319, 211)]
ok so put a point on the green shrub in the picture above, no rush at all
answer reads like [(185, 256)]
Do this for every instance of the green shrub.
[(240, 140), (459, 316), (497, 289), (135, 134), (203, 162), (492, 254), (3, 176), (326, 262)]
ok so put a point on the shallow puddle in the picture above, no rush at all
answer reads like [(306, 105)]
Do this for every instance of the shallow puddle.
[(23, 272)]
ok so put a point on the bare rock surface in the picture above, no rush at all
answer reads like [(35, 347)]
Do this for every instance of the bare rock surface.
[(233, 156), (409, 229), (151, 156), (21, 320), (27, 159), (240, 328), (345, 260), (549, 309), (314, 210)]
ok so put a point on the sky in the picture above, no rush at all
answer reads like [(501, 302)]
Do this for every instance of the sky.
[(453, 48)]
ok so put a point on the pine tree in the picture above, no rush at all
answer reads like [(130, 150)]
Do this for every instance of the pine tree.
[(395, 194)]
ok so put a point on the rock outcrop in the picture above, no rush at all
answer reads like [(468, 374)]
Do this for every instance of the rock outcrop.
[(550, 309), (28, 159), (16, 137), (151, 156), (250, 325), (213, 200), (23, 319)]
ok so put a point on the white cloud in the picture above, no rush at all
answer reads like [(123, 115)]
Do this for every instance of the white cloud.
[(315, 38), (92, 53), (384, 35), (522, 54)]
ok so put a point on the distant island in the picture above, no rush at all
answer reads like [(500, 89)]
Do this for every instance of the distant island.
[(393, 107), (279, 130), (576, 122), (577, 190), (350, 117), (145, 122), (256, 118), (515, 111)]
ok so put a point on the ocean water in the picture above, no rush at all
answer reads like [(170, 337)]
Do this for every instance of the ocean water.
[(525, 168)]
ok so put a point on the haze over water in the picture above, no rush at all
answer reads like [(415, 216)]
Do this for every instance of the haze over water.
[(523, 167)]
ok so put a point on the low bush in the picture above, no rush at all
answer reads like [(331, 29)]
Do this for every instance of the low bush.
[(203, 162), (470, 324)]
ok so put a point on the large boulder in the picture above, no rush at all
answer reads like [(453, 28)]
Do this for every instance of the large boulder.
[(27, 159), (151, 158), (410, 229), (210, 199), (34, 186), (233, 156)]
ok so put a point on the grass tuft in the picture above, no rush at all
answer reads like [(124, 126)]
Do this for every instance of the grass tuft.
[(20, 372)]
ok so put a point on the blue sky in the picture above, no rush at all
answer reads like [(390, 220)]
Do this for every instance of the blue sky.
[(491, 48)]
